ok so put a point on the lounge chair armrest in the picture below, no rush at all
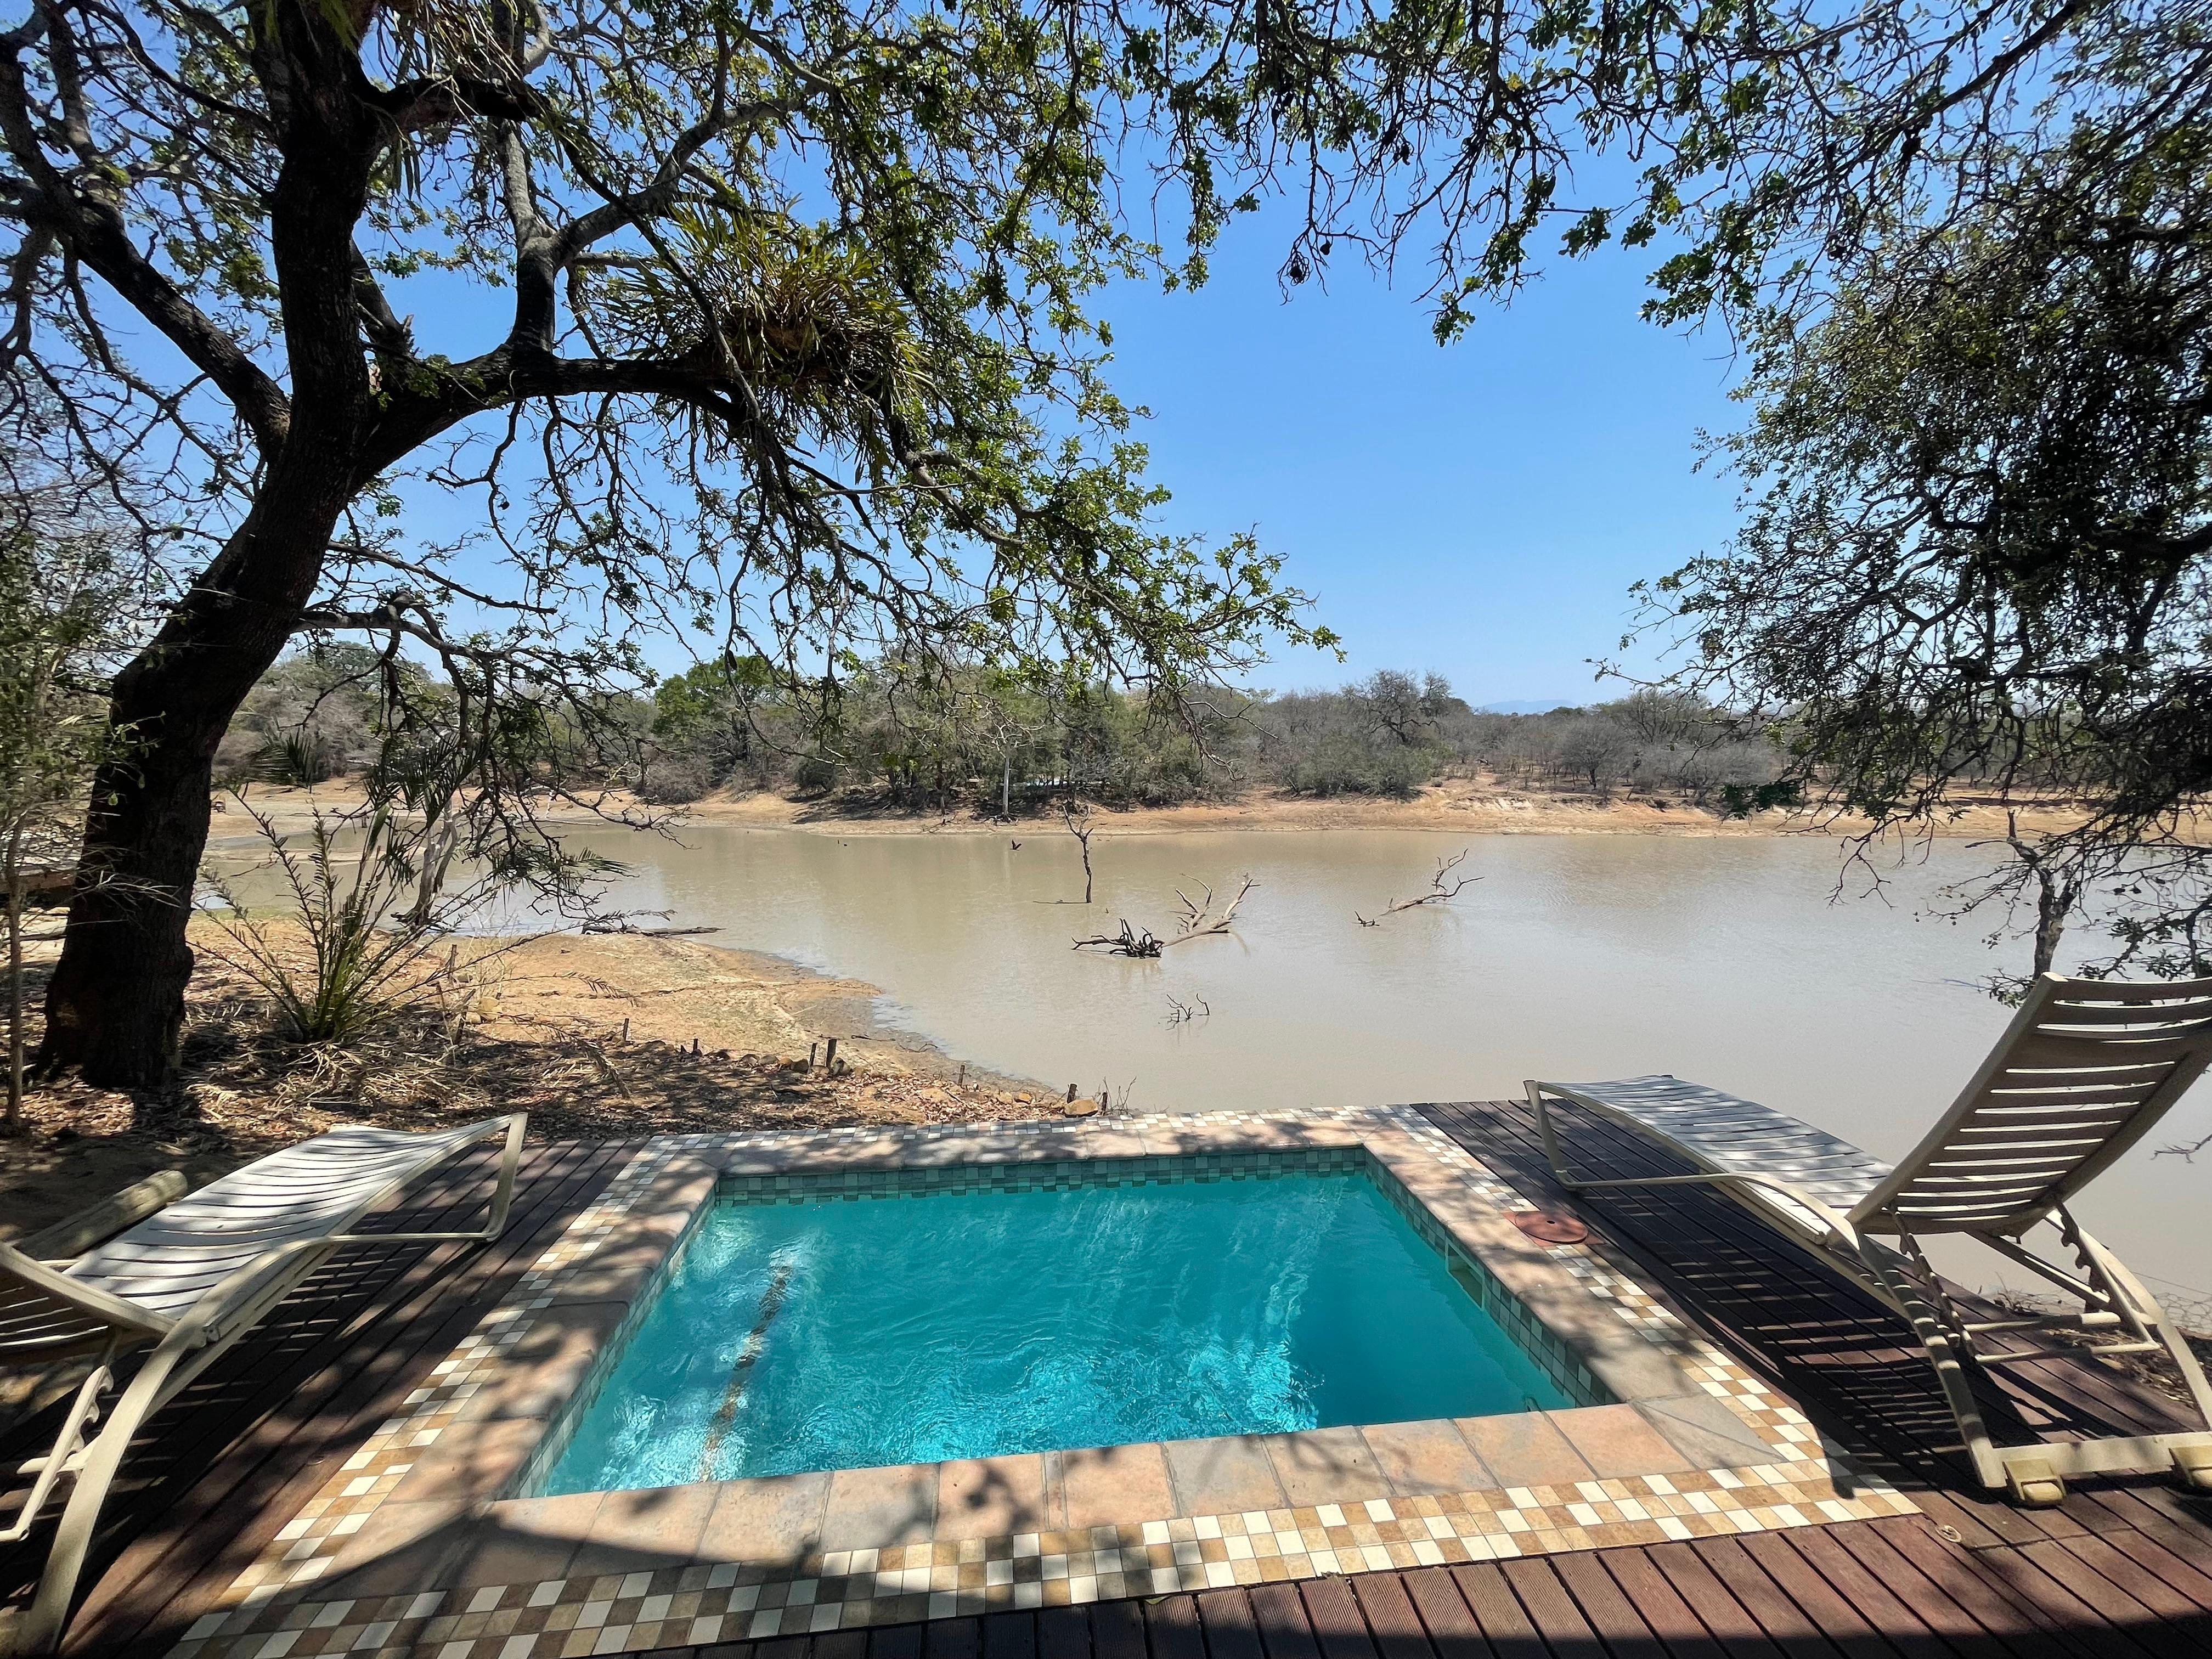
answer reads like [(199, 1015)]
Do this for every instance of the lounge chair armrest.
[(70, 1238), (1539, 1093), (1833, 1219)]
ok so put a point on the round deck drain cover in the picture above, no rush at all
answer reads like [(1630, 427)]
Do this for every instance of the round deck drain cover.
[(1548, 1228)]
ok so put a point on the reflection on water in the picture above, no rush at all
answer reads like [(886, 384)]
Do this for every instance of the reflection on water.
[(1572, 958)]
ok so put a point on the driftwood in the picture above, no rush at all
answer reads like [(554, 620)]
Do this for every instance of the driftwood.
[(1194, 918), (1438, 892), (624, 922), (1182, 1013), (1129, 942)]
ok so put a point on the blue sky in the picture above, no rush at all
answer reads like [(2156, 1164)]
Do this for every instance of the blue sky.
[(1479, 509)]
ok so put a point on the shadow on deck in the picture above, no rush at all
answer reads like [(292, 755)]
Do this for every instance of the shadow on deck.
[(2122, 1568)]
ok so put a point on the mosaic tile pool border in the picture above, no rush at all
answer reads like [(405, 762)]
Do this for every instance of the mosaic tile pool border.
[(1049, 1174), (652, 1202), (706, 1602)]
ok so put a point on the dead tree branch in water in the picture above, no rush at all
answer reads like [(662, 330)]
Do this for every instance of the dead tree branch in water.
[(2187, 1154), (1195, 919), (1438, 892), (1129, 942), (625, 921), (1077, 813), (1182, 1013)]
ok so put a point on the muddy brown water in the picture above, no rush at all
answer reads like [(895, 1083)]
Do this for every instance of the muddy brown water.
[(1729, 961), (1573, 956)]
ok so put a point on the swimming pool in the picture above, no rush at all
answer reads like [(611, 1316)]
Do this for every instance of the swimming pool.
[(804, 1330)]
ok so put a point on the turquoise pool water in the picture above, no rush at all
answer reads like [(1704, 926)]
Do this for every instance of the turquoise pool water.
[(844, 1333)]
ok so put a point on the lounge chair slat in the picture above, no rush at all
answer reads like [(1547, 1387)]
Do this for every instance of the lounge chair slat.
[(2056, 1050), (2083, 1072), (2143, 993), (189, 1281)]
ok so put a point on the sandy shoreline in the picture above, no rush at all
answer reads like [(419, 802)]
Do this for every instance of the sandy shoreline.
[(1464, 805), (595, 1036)]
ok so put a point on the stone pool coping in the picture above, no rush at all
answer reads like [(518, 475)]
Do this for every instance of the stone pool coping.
[(415, 1547)]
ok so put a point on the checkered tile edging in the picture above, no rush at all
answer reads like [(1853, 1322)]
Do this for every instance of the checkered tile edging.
[(1767, 1415), (562, 1619)]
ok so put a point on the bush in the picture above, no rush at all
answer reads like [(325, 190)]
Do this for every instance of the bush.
[(674, 780), (350, 954)]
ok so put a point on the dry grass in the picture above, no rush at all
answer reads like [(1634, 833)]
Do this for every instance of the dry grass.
[(600, 1037)]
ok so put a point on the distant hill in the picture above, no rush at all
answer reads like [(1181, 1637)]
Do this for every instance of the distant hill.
[(1527, 706)]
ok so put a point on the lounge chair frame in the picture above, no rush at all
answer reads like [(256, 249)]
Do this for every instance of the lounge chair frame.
[(2084, 1070), (52, 1317)]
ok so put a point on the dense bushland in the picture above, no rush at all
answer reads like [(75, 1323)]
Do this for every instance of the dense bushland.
[(972, 741)]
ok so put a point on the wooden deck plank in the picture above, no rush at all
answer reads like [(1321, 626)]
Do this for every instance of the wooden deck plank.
[(2180, 1530), (1008, 1635), (1740, 1634), (1280, 1615), (1938, 1579), (1670, 1617), (1905, 1628), (1225, 1617), (2193, 1584), (1497, 1611), (1784, 1621), (2132, 1577), (2080, 1623), (1443, 1612), (1171, 1624), (946, 1638), (2119, 1609), (1062, 1632), (1117, 1631), (896, 1642), (1824, 1608), (1625, 1631), (1391, 1620), (1338, 1626), (1535, 1580)]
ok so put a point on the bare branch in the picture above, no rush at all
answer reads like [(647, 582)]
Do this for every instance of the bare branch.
[(1439, 892)]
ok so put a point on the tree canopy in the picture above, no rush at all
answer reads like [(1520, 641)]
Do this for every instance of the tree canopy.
[(1979, 553), (773, 318)]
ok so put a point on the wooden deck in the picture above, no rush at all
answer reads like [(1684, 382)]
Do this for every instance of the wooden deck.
[(2123, 1568)]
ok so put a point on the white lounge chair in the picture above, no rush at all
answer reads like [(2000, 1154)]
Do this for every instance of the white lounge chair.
[(2082, 1074), (187, 1283)]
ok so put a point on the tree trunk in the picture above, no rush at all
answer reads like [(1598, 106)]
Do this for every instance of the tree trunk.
[(2054, 902), (115, 1006), (15, 985)]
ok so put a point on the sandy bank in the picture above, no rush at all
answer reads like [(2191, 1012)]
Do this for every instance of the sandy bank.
[(1461, 806), (597, 1036)]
